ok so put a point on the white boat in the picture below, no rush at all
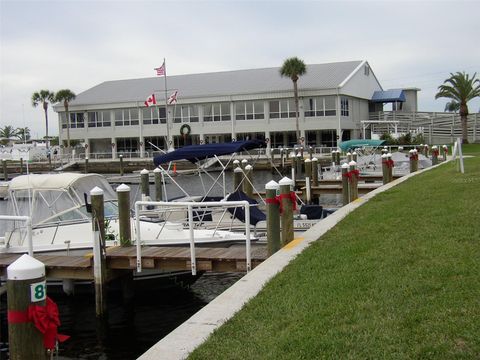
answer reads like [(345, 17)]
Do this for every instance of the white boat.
[(57, 206)]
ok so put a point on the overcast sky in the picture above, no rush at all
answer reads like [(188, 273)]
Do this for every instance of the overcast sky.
[(78, 44)]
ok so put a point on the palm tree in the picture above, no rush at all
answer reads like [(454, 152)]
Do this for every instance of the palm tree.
[(8, 132), (23, 134), (294, 68), (43, 97), (452, 106), (460, 88), (66, 96)]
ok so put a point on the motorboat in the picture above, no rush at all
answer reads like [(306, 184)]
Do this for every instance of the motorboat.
[(58, 207)]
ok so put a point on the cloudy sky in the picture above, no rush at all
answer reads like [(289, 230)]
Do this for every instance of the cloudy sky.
[(77, 44)]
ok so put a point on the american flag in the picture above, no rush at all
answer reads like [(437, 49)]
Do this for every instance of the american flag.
[(161, 70), (173, 98)]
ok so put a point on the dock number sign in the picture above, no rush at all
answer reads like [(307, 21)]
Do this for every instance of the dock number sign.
[(38, 291)]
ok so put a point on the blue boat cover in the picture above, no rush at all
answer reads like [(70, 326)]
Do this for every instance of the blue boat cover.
[(256, 214), (358, 143), (195, 153)]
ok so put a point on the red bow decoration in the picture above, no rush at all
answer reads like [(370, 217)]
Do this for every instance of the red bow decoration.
[(414, 157), (436, 152), (349, 175), (46, 320), (390, 163), (291, 196)]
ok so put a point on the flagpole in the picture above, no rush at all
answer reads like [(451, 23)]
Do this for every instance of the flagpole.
[(166, 105)]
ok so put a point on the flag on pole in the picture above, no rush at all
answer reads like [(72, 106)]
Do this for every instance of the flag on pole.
[(160, 70), (151, 101), (173, 98)]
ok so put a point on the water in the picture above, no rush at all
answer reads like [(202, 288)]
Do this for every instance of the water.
[(132, 327)]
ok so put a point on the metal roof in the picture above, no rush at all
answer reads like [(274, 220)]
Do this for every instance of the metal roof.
[(386, 96), (226, 83)]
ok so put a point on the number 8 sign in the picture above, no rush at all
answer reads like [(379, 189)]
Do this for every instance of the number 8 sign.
[(38, 291)]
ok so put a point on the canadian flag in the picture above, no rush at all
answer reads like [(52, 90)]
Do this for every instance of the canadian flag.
[(173, 98), (151, 101)]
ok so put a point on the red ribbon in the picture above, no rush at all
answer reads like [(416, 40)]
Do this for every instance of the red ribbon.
[(436, 152), (390, 163), (291, 196), (414, 157), (46, 320), (349, 175), (275, 200)]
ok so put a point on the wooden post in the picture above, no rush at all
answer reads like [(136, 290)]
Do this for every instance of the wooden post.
[(389, 167), (273, 218), (354, 156), (158, 184), (145, 184), (99, 258), (349, 157), (334, 157), (123, 195), (315, 171), (120, 157), (244, 164), (384, 169), (413, 160), (237, 179), (286, 188), (248, 181), (445, 152), (426, 150), (282, 161), (337, 157), (310, 153), (272, 160), (299, 164), (434, 155), (353, 181), (5, 170), (21, 166), (345, 184), (86, 165), (235, 164), (26, 286), (308, 168)]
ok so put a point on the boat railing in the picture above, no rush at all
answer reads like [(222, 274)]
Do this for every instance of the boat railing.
[(190, 207), (28, 224)]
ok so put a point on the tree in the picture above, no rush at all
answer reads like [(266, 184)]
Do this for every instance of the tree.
[(66, 96), (23, 134), (459, 87), (452, 106), (43, 97), (8, 132), (294, 68)]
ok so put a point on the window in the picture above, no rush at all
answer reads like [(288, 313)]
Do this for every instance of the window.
[(98, 119), (150, 115), (320, 106), (344, 111), (216, 112), (186, 113), (282, 109), (126, 117), (77, 120), (249, 110)]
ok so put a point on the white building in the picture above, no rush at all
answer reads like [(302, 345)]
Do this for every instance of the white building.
[(111, 118)]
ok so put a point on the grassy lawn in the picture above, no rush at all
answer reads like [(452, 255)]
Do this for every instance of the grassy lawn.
[(398, 278)]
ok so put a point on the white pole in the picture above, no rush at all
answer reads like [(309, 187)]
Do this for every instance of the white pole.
[(192, 240), (137, 237), (460, 155), (247, 234)]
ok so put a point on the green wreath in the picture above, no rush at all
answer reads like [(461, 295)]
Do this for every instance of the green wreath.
[(185, 130)]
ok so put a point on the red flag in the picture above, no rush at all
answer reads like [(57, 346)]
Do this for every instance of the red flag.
[(160, 70), (151, 101), (173, 98)]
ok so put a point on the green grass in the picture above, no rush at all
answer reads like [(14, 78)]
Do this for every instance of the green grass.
[(471, 149), (398, 278)]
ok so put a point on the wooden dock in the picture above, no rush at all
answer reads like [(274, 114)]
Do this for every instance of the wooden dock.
[(169, 258)]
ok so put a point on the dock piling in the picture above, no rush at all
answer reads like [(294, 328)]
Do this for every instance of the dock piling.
[(345, 184), (158, 184), (237, 178), (287, 201), (123, 195), (435, 154), (21, 166), (273, 217), (354, 175), (413, 160), (99, 253), (120, 157), (26, 286), (315, 171), (86, 165), (247, 183), (145, 184)]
